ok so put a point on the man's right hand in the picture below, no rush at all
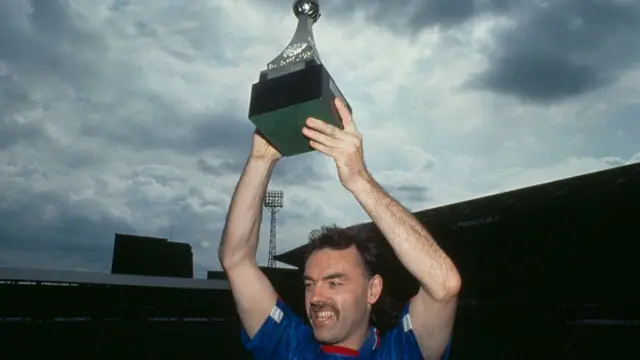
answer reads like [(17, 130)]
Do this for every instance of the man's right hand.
[(262, 149)]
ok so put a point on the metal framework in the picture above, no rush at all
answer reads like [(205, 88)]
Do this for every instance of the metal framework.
[(273, 200)]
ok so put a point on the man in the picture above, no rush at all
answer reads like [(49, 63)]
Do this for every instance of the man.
[(341, 286)]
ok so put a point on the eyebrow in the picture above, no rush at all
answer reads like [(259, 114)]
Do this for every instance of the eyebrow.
[(327, 277)]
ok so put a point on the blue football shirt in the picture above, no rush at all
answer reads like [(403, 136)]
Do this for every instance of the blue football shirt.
[(285, 336)]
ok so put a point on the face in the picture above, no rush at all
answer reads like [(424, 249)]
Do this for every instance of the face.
[(339, 296)]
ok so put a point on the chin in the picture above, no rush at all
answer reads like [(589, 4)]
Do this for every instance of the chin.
[(326, 340), (327, 336)]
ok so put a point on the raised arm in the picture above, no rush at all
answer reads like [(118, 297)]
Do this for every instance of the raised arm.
[(253, 293), (432, 310)]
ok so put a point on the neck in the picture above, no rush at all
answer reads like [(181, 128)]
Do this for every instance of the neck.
[(354, 342)]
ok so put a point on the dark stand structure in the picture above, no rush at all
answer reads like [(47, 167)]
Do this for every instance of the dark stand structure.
[(143, 255)]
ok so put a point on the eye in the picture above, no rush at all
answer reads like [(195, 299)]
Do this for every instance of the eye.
[(308, 285), (334, 283)]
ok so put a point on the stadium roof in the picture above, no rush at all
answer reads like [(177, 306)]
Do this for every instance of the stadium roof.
[(89, 278), (486, 209)]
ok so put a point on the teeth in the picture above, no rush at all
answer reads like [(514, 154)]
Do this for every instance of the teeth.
[(324, 315)]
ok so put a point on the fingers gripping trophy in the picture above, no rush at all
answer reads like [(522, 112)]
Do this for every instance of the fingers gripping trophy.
[(294, 87)]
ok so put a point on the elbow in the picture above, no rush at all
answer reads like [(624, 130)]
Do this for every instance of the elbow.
[(230, 259), (447, 289), (222, 260), (453, 286), (226, 262), (224, 257)]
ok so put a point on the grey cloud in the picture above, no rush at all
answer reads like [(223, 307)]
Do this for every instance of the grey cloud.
[(299, 170), (302, 170), (314, 212), (45, 49), (408, 194), (74, 123), (415, 15), (563, 49), (225, 167), (557, 49), (55, 74), (166, 129), (57, 229), (41, 39), (48, 226), (613, 161), (411, 193), (12, 132), (540, 78), (39, 36), (44, 29), (14, 99)]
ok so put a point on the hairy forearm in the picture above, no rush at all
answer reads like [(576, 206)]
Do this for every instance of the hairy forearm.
[(239, 241), (411, 242)]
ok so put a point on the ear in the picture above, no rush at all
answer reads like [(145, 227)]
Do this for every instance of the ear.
[(375, 289)]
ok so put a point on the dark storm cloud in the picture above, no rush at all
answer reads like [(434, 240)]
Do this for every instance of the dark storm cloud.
[(231, 133), (555, 50), (14, 99), (312, 212), (59, 91), (300, 170), (41, 39), (409, 193), (564, 49), (48, 223), (225, 167), (415, 15), (13, 132), (56, 228), (166, 129)]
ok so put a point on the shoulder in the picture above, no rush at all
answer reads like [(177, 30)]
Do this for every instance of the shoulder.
[(401, 342), (281, 335)]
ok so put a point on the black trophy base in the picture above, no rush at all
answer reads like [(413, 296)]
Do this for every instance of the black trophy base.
[(280, 106)]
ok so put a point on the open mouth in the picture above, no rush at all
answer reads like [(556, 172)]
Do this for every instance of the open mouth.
[(324, 317)]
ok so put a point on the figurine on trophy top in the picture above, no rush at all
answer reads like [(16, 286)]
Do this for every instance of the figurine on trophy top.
[(295, 86)]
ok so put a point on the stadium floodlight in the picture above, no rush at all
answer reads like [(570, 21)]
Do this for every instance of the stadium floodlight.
[(274, 201)]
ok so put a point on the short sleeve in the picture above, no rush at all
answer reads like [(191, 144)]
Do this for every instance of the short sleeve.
[(401, 343), (279, 336)]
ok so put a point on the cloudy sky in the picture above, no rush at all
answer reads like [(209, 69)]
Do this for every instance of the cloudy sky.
[(131, 116)]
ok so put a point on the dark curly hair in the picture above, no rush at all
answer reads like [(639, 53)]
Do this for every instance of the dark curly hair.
[(336, 238), (375, 254)]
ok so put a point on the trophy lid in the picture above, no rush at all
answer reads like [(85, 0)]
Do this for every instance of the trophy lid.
[(301, 51), (310, 8)]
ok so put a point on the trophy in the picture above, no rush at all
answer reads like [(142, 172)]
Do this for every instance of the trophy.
[(293, 87)]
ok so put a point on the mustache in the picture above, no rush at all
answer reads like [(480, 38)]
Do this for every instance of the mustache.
[(322, 307)]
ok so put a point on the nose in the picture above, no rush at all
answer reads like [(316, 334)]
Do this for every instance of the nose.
[(317, 296)]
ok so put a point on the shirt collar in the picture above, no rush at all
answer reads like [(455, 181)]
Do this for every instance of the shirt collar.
[(371, 342)]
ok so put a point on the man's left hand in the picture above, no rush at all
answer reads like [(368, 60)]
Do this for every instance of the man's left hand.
[(344, 146)]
